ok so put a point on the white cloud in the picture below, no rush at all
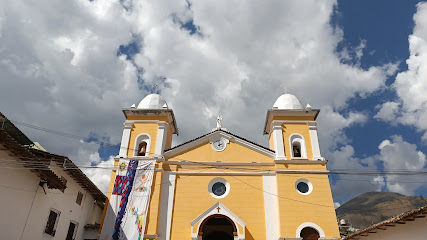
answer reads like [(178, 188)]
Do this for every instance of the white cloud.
[(395, 155), (101, 176), (411, 85), (60, 70), (388, 111), (399, 155), (347, 186), (332, 125)]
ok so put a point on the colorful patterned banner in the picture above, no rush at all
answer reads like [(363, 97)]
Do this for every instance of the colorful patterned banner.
[(126, 215)]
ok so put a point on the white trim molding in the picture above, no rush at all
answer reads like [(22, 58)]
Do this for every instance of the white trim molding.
[(279, 146), (304, 171), (322, 162), (183, 162), (312, 225), (217, 208), (161, 138), (127, 126), (312, 126), (167, 194), (272, 224), (224, 173)]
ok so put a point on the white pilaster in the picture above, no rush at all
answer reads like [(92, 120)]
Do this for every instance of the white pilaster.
[(166, 205), (161, 138), (272, 224), (127, 126), (314, 140), (279, 147)]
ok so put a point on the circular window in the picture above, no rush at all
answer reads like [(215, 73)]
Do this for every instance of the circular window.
[(219, 187), (303, 186)]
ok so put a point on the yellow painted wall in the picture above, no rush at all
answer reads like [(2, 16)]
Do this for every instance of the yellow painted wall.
[(295, 208), (234, 152), (139, 128), (303, 130), (271, 141), (153, 212), (192, 199)]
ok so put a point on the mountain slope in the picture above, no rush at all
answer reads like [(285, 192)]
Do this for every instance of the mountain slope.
[(373, 207)]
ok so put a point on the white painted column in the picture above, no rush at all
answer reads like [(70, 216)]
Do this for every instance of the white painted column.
[(127, 126), (314, 140), (279, 147), (166, 205), (161, 138), (271, 206)]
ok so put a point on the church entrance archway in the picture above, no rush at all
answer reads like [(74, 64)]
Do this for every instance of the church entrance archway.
[(218, 227)]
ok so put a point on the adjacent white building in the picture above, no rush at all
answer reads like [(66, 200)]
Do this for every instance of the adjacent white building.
[(43, 195)]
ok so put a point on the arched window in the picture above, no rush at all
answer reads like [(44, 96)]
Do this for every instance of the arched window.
[(297, 147), (142, 146), (309, 233)]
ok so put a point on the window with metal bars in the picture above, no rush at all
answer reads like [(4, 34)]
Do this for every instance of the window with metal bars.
[(52, 222), (79, 198), (72, 230)]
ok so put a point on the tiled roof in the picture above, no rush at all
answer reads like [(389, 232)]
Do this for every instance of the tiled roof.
[(38, 161), (68, 166), (399, 219)]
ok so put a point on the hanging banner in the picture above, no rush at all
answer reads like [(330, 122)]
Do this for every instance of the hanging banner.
[(128, 205)]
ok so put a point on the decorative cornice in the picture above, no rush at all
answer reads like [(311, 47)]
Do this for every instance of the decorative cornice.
[(214, 136), (218, 163), (322, 162), (127, 125), (223, 173), (150, 236), (304, 171)]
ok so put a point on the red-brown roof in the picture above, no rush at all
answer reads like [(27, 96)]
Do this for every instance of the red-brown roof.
[(391, 222)]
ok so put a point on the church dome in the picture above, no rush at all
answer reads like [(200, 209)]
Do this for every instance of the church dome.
[(153, 101), (287, 101)]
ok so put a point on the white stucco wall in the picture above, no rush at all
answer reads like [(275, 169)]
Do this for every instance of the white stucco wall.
[(17, 191), (415, 230)]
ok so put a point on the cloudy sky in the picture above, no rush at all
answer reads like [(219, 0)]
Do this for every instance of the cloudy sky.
[(71, 66)]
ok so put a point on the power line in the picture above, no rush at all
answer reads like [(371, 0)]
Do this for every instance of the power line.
[(335, 172), (331, 171)]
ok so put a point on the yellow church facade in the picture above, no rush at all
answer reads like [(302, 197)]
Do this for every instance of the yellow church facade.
[(222, 186)]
